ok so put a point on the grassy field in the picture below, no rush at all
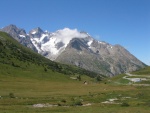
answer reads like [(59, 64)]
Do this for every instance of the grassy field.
[(30, 83), (58, 93)]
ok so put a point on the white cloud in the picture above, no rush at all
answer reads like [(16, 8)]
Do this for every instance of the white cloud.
[(66, 34)]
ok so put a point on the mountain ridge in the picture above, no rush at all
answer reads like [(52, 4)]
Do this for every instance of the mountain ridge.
[(80, 49), (15, 55)]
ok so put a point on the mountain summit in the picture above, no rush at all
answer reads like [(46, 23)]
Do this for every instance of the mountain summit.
[(70, 46), (20, 35)]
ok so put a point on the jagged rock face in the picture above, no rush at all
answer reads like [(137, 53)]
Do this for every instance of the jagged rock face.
[(99, 57), (14, 31), (36, 33), (20, 35), (78, 48)]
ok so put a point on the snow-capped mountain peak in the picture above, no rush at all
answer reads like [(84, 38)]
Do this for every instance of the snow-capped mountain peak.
[(54, 43), (77, 48), (36, 31)]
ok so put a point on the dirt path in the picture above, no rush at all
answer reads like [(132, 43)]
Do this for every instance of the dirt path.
[(135, 80)]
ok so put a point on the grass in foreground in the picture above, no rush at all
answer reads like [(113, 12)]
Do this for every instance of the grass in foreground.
[(19, 94), (27, 79)]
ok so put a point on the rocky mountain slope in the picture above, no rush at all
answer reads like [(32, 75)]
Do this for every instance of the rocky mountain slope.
[(78, 48), (20, 35), (16, 58), (100, 57)]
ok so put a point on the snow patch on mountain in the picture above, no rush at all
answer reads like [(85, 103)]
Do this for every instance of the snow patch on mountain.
[(101, 42), (34, 42), (56, 42), (51, 46), (34, 32), (42, 37), (90, 42), (23, 36)]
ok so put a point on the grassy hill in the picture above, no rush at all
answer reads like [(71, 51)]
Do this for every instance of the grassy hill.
[(145, 71), (14, 57), (29, 83)]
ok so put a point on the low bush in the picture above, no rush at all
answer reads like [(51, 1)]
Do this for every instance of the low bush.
[(11, 95), (124, 104), (77, 103)]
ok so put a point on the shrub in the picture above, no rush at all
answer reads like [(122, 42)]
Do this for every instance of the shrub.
[(78, 103), (45, 69), (124, 104), (59, 104), (11, 95), (63, 100), (98, 78)]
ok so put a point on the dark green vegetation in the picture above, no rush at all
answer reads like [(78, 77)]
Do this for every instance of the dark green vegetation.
[(30, 83)]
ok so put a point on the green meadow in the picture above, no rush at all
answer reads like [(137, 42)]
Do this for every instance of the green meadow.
[(51, 92), (30, 83)]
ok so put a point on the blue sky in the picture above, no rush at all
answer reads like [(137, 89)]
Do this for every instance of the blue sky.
[(124, 22)]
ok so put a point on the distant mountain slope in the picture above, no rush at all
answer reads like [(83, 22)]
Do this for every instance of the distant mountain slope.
[(99, 57), (80, 49), (20, 35), (14, 54)]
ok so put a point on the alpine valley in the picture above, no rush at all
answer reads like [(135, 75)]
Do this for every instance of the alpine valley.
[(77, 48)]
